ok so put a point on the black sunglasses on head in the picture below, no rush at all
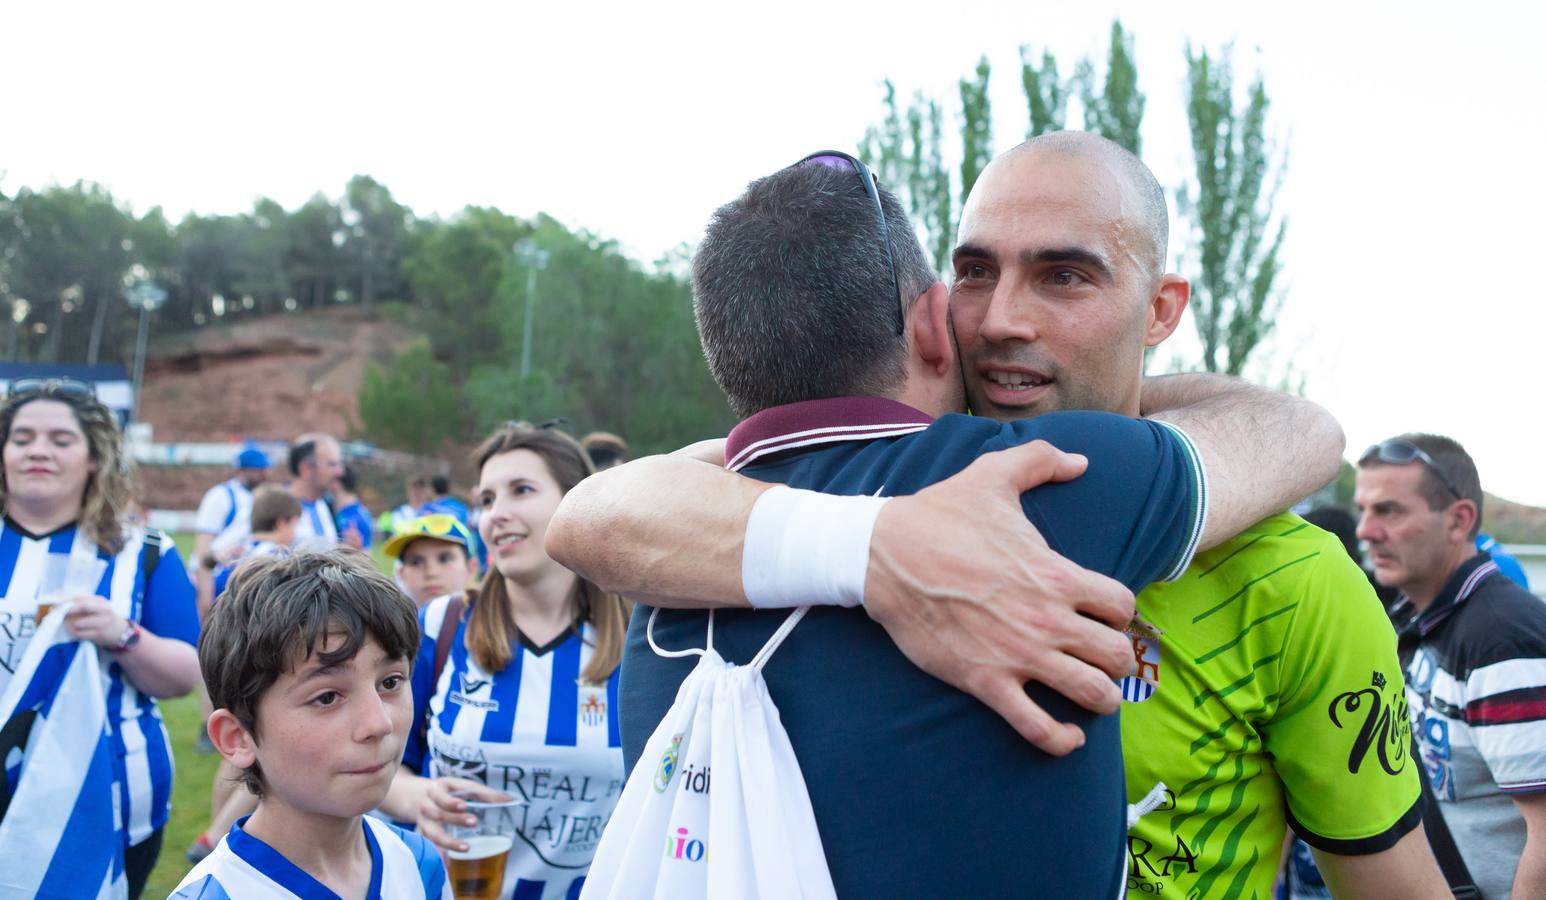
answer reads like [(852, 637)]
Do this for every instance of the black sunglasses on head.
[(1397, 452), (50, 387), (837, 159)]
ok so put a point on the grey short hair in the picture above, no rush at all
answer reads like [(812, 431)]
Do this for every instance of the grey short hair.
[(792, 293)]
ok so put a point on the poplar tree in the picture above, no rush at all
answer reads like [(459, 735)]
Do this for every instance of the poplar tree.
[(976, 127), (1046, 94), (906, 151), (1116, 111), (1236, 237)]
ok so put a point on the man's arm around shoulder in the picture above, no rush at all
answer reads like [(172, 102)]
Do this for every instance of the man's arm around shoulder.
[(670, 531), (1263, 451), (663, 530)]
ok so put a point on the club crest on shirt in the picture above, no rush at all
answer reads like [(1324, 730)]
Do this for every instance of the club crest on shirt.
[(593, 711), (667, 764), (1141, 685), (471, 686)]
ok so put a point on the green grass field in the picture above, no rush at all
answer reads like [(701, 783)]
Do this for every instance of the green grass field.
[(195, 774), (190, 795)]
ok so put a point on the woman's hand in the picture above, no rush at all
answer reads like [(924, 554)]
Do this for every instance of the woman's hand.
[(92, 619), (158, 666), (444, 803)]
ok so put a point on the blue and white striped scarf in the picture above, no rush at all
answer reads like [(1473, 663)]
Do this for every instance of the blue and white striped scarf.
[(61, 836)]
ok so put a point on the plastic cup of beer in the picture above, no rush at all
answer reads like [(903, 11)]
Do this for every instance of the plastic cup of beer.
[(47, 603), (478, 873), (65, 577)]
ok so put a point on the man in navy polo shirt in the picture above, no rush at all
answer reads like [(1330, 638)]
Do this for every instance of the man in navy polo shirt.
[(839, 355)]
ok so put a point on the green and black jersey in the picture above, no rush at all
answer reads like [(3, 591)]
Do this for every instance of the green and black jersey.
[(1268, 694)]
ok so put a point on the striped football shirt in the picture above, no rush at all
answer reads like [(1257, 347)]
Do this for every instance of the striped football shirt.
[(403, 866), (165, 607), (532, 730)]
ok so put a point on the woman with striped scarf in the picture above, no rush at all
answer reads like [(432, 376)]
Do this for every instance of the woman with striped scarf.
[(64, 490)]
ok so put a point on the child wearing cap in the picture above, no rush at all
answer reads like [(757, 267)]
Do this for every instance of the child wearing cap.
[(434, 557), (307, 659)]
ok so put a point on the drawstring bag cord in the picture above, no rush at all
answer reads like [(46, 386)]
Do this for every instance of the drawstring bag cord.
[(1150, 802), (757, 662)]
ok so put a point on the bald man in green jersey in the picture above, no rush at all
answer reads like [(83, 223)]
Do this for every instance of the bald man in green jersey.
[(1266, 689)]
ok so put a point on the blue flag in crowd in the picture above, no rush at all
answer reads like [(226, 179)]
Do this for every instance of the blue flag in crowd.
[(64, 808)]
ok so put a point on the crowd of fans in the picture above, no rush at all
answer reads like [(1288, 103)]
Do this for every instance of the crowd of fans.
[(1352, 703)]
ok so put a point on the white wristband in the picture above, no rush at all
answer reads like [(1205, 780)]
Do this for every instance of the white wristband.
[(804, 548)]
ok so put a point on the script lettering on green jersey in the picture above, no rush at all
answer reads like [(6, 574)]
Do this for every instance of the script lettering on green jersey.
[(1386, 727)]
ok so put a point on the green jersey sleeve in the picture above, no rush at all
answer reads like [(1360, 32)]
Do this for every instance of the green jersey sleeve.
[(1340, 736)]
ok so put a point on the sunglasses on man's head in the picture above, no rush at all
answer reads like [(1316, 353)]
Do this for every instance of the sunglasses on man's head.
[(836, 159), (1397, 452), (26, 388)]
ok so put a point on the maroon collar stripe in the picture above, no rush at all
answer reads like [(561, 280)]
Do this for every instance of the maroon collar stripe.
[(815, 436), (825, 421)]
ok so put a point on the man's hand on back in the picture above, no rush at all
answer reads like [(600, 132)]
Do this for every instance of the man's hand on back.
[(970, 592)]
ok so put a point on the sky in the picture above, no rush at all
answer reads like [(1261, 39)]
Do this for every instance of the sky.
[(1413, 192)]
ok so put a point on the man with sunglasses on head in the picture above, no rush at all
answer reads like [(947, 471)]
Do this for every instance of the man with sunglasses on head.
[(842, 359), (1474, 646)]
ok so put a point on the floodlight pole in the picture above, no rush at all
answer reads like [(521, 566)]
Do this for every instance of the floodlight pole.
[(535, 259), (145, 296)]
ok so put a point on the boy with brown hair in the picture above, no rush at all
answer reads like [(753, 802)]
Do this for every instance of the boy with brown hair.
[(307, 660), (275, 513)]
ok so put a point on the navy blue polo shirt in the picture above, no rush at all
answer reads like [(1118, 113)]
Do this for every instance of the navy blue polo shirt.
[(919, 790)]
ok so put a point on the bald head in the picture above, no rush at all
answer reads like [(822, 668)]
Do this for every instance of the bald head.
[(1060, 279), (1143, 200)]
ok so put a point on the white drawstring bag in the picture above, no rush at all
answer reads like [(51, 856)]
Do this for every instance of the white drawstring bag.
[(716, 807)]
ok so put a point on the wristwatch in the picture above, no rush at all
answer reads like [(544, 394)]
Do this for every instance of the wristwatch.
[(128, 639)]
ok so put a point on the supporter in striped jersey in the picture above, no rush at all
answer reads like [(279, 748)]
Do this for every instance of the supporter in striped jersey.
[(222, 518), (516, 688), (316, 462), (275, 515), (307, 660), (1474, 646), (64, 490)]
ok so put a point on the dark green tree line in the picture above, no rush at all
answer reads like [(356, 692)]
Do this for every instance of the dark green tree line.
[(614, 342)]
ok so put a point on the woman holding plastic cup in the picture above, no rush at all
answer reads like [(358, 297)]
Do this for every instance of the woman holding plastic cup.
[(516, 689), (64, 489)]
